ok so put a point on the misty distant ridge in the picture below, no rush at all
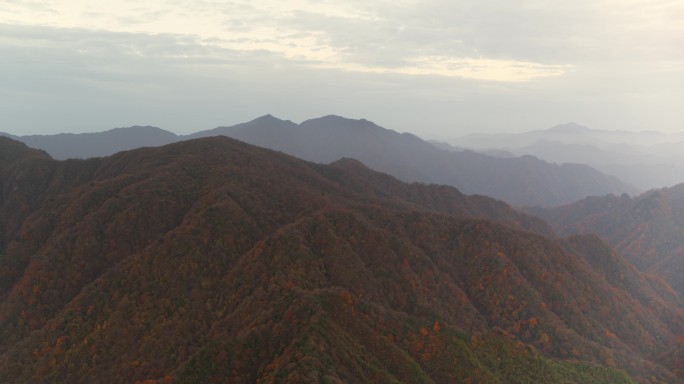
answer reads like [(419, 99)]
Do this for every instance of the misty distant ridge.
[(645, 159), (569, 133), (573, 127), (97, 144), (520, 181), (570, 127)]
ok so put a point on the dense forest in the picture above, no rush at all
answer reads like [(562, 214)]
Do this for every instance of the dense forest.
[(213, 260)]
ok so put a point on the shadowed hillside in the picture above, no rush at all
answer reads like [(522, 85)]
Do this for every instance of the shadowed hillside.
[(213, 260)]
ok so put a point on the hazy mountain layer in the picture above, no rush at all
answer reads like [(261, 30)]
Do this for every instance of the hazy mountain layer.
[(86, 145), (520, 181), (645, 160), (571, 133), (213, 260), (630, 164)]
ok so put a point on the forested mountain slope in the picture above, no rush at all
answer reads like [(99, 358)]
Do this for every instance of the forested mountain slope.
[(213, 260), (648, 229)]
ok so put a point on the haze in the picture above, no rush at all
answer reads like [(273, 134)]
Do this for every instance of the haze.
[(438, 68), (395, 191)]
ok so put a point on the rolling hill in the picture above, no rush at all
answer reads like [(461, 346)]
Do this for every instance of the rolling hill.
[(213, 260)]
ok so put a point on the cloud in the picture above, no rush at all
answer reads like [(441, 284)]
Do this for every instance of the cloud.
[(466, 68), (375, 37), (535, 63)]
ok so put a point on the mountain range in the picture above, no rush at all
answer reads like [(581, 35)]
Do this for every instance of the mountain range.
[(520, 181), (646, 160), (212, 260)]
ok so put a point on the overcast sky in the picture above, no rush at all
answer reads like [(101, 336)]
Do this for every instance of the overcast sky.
[(437, 68)]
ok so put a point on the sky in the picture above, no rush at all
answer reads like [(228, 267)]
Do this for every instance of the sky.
[(436, 68)]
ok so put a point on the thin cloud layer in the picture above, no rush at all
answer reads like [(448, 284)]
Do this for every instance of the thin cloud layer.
[(408, 38)]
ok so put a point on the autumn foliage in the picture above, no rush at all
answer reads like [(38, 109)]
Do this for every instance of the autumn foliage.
[(215, 261)]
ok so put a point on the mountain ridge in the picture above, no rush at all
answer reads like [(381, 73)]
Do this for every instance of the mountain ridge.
[(212, 259), (647, 229), (644, 159), (98, 144), (520, 182)]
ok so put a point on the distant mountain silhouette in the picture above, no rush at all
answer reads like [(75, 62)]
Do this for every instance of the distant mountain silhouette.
[(645, 160), (519, 181), (85, 145), (648, 229), (628, 164), (212, 260), (570, 133)]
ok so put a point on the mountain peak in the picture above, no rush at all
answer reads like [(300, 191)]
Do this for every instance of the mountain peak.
[(139, 129), (339, 122), (334, 118), (267, 119)]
